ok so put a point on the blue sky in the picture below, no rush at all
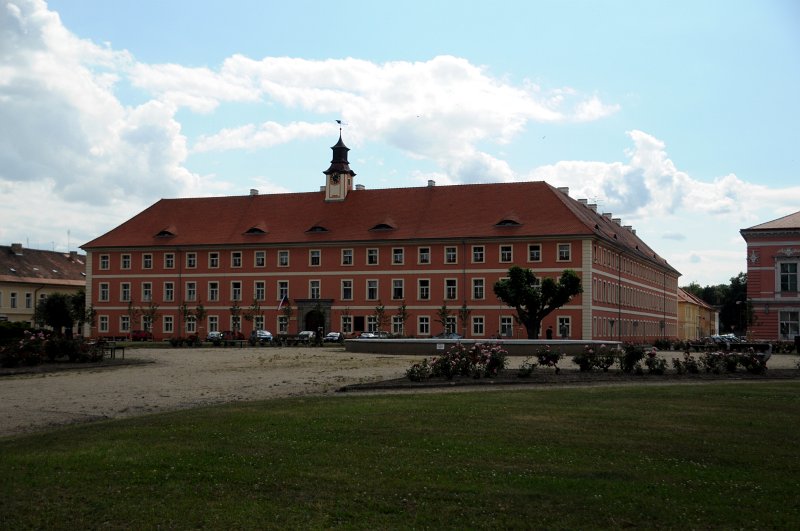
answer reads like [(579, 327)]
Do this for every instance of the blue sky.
[(679, 117)]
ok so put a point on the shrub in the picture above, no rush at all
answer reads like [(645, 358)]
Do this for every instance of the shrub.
[(687, 366), (584, 360), (419, 371), (655, 364), (549, 358), (526, 368), (630, 358), (478, 360), (717, 362)]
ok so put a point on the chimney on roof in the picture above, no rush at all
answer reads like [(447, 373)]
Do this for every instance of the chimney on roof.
[(592, 207), (564, 190), (431, 183), (253, 191), (607, 215), (16, 248), (618, 221), (360, 187), (633, 231), (629, 227), (583, 201)]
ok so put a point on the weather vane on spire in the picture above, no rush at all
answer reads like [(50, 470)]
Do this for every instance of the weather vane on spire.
[(341, 123)]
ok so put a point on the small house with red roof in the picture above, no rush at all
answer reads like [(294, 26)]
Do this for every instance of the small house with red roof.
[(773, 271), (410, 261)]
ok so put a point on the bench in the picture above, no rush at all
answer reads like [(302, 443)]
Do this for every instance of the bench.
[(111, 348)]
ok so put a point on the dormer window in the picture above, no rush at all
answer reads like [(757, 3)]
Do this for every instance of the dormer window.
[(508, 222), (165, 234), (255, 230), (382, 227), (317, 228)]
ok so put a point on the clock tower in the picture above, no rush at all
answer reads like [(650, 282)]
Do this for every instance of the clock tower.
[(339, 176)]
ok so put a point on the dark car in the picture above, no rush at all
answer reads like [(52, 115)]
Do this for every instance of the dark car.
[(228, 335), (333, 337), (141, 335)]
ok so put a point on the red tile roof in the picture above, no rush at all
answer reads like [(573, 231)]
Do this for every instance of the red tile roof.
[(685, 296), (18, 264), (534, 210), (792, 221)]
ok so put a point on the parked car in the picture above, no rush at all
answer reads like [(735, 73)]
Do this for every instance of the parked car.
[(141, 335), (374, 335), (448, 335), (261, 336), (307, 335), (333, 337), (214, 336)]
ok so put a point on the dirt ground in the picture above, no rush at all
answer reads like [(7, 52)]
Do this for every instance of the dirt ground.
[(172, 379)]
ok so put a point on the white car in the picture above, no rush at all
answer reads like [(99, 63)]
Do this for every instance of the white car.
[(262, 336)]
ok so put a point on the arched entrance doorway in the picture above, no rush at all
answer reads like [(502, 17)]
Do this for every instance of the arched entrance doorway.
[(315, 321)]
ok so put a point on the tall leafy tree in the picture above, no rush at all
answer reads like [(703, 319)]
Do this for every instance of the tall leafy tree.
[(56, 311), (534, 301)]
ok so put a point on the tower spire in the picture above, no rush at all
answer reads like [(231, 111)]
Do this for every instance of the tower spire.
[(339, 176)]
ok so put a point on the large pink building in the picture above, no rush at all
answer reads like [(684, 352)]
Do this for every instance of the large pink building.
[(336, 255), (773, 259)]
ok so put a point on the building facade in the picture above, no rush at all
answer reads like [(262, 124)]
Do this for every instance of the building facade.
[(30, 275), (696, 318), (773, 268), (410, 261)]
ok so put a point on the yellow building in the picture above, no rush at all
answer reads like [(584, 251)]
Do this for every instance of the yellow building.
[(696, 318), (30, 275)]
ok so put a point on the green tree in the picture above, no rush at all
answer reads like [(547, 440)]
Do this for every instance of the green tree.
[(735, 310), (381, 317), (534, 302), (56, 312), (442, 315), (463, 316), (402, 313)]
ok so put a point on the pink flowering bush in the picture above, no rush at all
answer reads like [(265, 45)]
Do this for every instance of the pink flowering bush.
[(478, 360), (549, 358), (28, 350)]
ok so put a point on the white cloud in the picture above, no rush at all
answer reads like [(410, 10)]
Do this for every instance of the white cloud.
[(263, 136)]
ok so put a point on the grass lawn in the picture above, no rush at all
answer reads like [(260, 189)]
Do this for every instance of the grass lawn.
[(687, 456)]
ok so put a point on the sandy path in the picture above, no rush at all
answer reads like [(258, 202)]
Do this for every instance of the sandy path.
[(183, 378)]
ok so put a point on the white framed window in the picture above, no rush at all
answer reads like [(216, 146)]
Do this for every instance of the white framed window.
[(124, 323), (105, 261), (125, 291), (236, 259), (478, 288), (258, 322), (29, 300), (534, 252), (283, 324), (397, 326), (213, 323), (213, 260), (424, 325), (397, 289), (260, 258), (191, 260), (314, 257), (372, 256), (103, 323), (213, 291), (347, 324), (347, 257), (372, 323), (168, 324), (424, 289), (506, 326), (450, 289), (283, 258), (478, 254), (564, 327), (283, 290), (260, 290), (564, 252), (478, 328), (12, 300), (103, 295), (372, 289), (506, 254), (789, 324), (236, 290), (423, 255), (347, 290), (788, 276), (398, 256), (191, 291), (450, 255), (147, 291), (169, 260), (191, 324), (450, 324), (147, 261), (125, 261), (169, 291), (313, 289)]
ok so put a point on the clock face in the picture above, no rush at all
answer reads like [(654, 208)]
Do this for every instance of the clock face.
[(335, 178)]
